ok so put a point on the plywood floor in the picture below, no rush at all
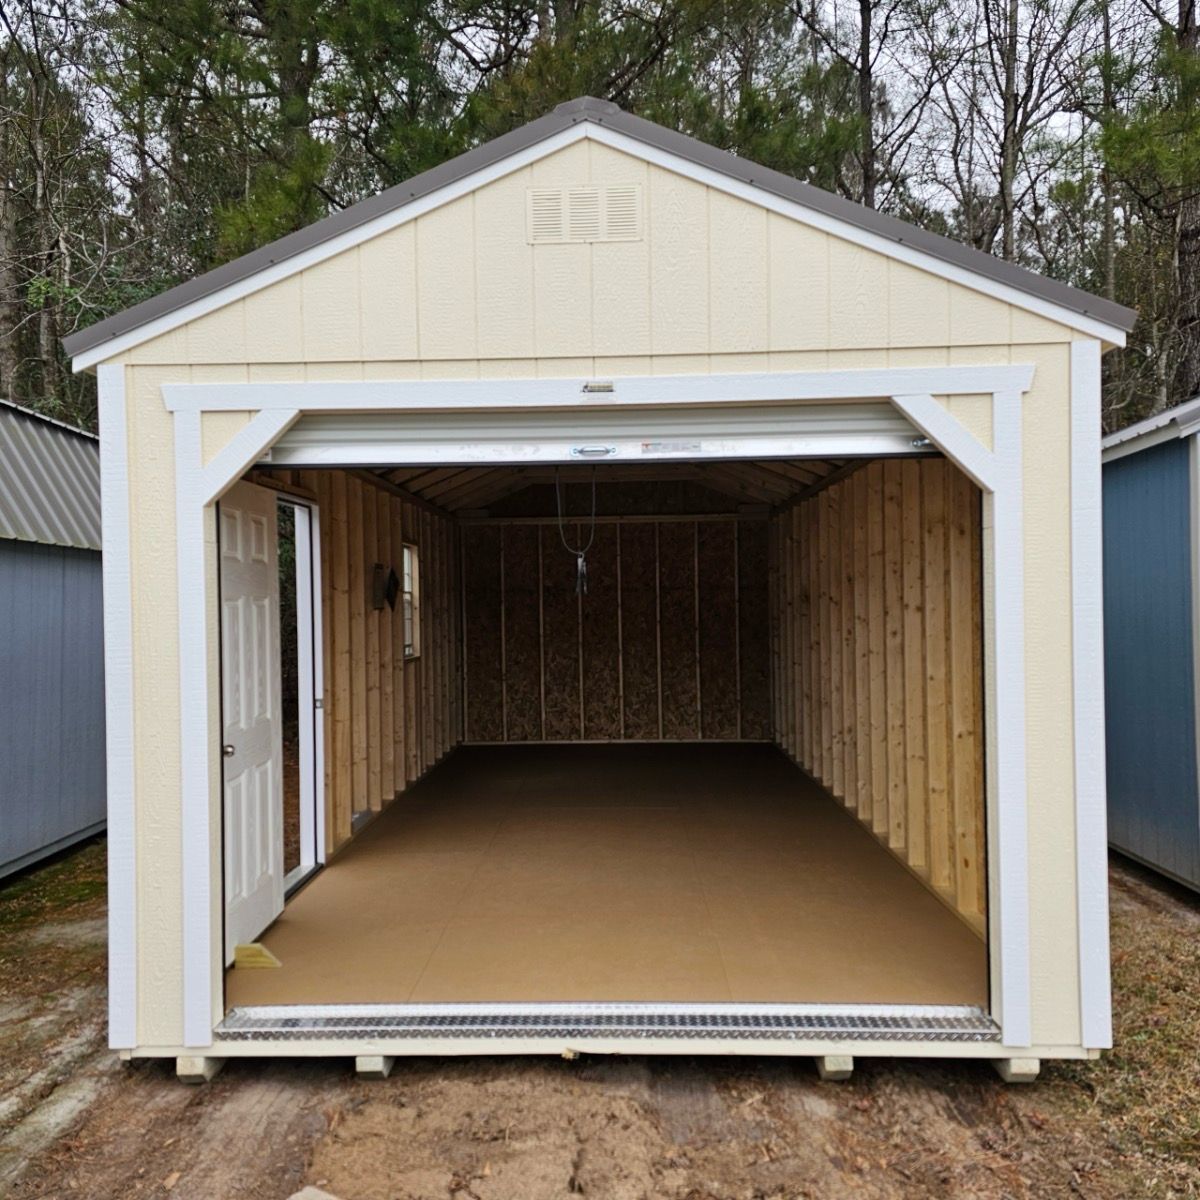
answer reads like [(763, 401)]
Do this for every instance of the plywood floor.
[(637, 873)]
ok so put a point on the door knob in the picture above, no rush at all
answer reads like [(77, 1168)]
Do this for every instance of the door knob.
[(228, 751)]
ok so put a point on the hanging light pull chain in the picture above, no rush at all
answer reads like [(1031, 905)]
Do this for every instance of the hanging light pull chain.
[(580, 552)]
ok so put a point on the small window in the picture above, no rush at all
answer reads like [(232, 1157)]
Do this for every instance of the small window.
[(410, 591)]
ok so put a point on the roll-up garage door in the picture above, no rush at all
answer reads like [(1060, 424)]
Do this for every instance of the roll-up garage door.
[(841, 430)]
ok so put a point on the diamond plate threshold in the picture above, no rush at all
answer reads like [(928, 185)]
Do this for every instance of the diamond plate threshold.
[(852, 1022)]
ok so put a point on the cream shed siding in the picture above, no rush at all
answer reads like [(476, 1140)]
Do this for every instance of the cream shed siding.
[(715, 276), (718, 284)]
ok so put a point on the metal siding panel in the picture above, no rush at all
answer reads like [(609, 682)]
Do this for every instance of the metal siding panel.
[(52, 702), (49, 482), (1148, 660)]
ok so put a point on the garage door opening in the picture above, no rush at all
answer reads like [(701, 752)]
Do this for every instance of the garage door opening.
[(738, 760)]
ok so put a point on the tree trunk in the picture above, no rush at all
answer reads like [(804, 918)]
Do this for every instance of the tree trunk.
[(866, 103), (1108, 107), (9, 286), (1188, 252), (1008, 147), (47, 340)]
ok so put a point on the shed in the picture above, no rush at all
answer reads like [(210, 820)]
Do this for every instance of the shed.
[(52, 649), (604, 595), (1151, 532)]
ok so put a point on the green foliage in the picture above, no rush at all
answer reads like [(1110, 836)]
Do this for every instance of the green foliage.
[(143, 142), (1151, 146), (281, 198), (1155, 145)]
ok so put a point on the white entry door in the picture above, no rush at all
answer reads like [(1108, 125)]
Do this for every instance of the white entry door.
[(252, 726)]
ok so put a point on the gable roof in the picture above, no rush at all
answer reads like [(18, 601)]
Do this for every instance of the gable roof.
[(655, 137), (1179, 422), (49, 481)]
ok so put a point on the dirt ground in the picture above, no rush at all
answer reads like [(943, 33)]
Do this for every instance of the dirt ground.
[(74, 1122)]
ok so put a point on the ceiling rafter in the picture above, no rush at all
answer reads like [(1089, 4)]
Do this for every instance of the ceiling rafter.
[(759, 481)]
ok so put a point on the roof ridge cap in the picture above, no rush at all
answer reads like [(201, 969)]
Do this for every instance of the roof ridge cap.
[(587, 104)]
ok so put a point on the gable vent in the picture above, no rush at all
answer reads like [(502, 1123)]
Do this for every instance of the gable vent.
[(611, 214), (623, 212)]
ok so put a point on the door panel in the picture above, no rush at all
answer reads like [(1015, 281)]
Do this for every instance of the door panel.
[(251, 717)]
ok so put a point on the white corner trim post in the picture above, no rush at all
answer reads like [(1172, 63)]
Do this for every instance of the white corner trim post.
[(998, 474), (1087, 635), (118, 706), (195, 749), (197, 487)]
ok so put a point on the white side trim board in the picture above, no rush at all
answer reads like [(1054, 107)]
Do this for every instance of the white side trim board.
[(1087, 596), (997, 471), (118, 707)]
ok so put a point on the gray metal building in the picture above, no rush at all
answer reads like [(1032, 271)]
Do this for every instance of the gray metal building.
[(1151, 618), (52, 782)]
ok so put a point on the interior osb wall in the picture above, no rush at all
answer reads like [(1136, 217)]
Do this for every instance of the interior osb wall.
[(670, 642), (878, 687), (387, 719)]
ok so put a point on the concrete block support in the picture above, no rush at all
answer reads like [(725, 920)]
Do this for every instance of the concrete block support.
[(1018, 1070), (373, 1066), (197, 1068), (835, 1066)]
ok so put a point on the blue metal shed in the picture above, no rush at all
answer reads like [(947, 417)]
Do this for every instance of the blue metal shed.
[(1151, 615), (52, 782)]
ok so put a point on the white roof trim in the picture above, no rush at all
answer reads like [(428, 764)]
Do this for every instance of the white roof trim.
[(617, 140), (899, 251), (325, 250)]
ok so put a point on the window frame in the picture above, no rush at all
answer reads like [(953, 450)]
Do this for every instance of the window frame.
[(410, 600)]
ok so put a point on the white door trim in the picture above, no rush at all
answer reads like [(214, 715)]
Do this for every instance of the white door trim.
[(998, 472), (310, 674)]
